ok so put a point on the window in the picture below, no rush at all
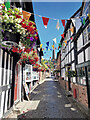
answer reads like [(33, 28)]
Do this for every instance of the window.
[(81, 79), (86, 34)]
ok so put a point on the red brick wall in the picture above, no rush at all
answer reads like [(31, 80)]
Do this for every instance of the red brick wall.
[(81, 92), (63, 83)]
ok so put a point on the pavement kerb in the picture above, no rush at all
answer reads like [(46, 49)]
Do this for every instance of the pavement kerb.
[(75, 103)]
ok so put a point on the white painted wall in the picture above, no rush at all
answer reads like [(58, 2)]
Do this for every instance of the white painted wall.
[(81, 58), (79, 42), (69, 57), (87, 54), (72, 55)]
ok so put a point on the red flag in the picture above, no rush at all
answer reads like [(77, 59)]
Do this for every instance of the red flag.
[(45, 21), (71, 38), (63, 22), (62, 35)]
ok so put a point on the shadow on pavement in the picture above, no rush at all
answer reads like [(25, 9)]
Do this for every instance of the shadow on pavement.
[(52, 102)]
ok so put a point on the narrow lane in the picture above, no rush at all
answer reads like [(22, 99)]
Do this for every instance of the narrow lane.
[(53, 102)]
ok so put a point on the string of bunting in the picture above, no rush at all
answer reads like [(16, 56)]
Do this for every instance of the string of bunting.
[(27, 15), (46, 19)]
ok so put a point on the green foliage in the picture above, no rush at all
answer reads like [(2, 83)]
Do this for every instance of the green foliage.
[(70, 73)]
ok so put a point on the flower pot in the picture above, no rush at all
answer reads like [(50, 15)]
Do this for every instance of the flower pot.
[(9, 36)]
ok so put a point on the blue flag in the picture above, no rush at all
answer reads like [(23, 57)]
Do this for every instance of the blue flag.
[(67, 42), (46, 48), (47, 43)]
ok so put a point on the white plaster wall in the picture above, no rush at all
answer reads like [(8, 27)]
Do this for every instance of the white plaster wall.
[(72, 55), (81, 58), (72, 44), (79, 42), (69, 57), (73, 68), (87, 54), (63, 73), (69, 45)]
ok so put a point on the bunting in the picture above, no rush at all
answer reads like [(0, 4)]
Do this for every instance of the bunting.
[(41, 45), (46, 48), (45, 21), (53, 46), (72, 29), (39, 49), (83, 20), (62, 35), (71, 38), (54, 40), (63, 23), (7, 4), (26, 15), (63, 44), (47, 43), (60, 45), (58, 25), (65, 41), (74, 22)]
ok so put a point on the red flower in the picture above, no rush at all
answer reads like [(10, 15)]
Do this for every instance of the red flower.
[(32, 32), (28, 37), (14, 49), (29, 58), (18, 16), (30, 23), (36, 64), (36, 37), (20, 51)]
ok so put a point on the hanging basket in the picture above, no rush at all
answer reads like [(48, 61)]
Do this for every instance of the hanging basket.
[(11, 37)]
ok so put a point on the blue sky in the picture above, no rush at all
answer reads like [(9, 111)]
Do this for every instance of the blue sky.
[(58, 10)]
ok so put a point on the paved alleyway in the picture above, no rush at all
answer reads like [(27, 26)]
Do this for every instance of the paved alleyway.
[(52, 103)]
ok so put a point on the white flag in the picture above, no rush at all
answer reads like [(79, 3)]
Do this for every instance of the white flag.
[(73, 20), (54, 40), (58, 25), (39, 49)]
